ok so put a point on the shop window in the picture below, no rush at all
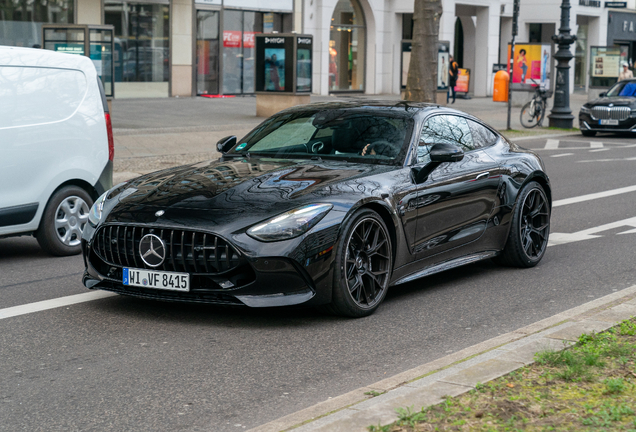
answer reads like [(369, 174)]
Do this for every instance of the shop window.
[(207, 52), (535, 33), (347, 47), (20, 20), (239, 29), (142, 34), (407, 26)]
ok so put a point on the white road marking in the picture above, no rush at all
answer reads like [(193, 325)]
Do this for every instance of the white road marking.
[(562, 154), (596, 144), (551, 144), (594, 196), (591, 233), (599, 150), (608, 160), (53, 303)]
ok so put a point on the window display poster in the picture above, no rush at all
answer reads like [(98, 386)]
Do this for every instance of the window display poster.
[(606, 64), (463, 80), (531, 62), (442, 70), (274, 69), (303, 70)]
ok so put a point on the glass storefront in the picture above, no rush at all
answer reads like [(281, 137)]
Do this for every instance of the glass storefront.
[(20, 20), (142, 55), (233, 45), (207, 52), (347, 47)]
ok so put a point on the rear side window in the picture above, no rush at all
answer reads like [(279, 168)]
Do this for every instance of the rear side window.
[(32, 96), (482, 136), (444, 129)]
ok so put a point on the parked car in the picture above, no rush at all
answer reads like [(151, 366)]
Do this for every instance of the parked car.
[(56, 146), (326, 205), (614, 110)]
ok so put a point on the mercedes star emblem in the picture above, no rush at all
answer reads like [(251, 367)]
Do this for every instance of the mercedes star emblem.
[(152, 250), (159, 213)]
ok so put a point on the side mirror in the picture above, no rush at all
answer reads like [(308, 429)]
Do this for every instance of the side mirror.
[(602, 94), (446, 153), (225, 144)]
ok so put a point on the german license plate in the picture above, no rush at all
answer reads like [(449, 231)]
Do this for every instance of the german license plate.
[(608, 122), (156, 279)]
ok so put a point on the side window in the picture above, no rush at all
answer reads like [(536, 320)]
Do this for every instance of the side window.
[(445, 129), (482, 136)]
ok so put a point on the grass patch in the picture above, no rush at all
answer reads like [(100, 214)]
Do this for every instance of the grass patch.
[(590, 386)]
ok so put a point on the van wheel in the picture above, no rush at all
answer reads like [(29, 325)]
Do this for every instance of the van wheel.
[(63, 221)]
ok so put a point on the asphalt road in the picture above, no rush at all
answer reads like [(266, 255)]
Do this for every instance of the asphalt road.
[(125, 364)]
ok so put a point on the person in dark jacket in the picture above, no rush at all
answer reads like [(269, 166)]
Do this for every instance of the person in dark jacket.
[(453, 72)]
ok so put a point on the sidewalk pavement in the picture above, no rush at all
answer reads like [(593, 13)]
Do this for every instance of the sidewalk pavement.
[(457, 373), (152, 134)]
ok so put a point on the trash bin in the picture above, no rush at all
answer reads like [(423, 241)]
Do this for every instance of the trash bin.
[(500, 89)]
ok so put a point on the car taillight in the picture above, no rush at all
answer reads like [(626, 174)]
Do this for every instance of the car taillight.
[(111, 143)]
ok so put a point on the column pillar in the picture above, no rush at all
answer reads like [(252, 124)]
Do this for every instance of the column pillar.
[(181, 36)]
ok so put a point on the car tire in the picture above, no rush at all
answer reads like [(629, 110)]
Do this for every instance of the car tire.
[(63, 220), (588, 133), (529, 229), (363, 266)]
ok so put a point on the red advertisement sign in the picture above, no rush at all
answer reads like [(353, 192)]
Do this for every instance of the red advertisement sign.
[(232, 38), (248, 39)]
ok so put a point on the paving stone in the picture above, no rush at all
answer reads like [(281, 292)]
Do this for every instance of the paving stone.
[(575, 330), (483, 372), (631, 302), (616, 314), (525, 353)]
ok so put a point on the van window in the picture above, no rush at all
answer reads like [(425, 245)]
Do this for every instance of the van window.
[(32, 96)]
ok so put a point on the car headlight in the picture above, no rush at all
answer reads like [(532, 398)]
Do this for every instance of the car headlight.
[(290, 224), (95, 215), (585, 110)]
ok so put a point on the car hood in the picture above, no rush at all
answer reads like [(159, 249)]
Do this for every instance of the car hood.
[(615, 100), (248, 189)]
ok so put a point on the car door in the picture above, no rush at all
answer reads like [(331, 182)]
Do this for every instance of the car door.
[(457, 198)]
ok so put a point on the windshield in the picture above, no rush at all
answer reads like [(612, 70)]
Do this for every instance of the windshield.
[(367, 136), (623, 88)]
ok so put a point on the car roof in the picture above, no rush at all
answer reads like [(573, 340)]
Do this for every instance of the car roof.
[(407, 107), (37, 57)]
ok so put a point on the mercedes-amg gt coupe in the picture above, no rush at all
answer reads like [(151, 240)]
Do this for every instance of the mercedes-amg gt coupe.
[(325, 205)]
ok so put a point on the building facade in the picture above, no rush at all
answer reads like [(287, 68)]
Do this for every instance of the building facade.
[(188, 47)]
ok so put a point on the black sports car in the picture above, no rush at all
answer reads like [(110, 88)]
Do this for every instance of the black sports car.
[(613, 111), (326, 205)]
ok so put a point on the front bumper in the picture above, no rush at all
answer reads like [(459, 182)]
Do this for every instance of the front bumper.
[(302, 276), (586, 122)]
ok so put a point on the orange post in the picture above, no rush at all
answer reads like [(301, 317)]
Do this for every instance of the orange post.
[(500, 89)]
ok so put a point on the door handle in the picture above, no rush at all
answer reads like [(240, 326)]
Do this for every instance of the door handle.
[(482, 176)]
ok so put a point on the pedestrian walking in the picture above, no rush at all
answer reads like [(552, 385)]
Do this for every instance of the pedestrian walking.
[(625, 73), (453, 72)]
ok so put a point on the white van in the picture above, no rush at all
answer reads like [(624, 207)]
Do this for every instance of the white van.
[(56, 146)]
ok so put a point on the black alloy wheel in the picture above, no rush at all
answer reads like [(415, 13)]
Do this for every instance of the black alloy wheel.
[(530, 229), (364, 263)]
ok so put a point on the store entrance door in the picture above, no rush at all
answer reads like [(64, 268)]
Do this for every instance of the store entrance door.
[(207, 52)]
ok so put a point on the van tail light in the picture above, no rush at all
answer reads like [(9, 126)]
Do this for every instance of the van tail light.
[(111, 143)]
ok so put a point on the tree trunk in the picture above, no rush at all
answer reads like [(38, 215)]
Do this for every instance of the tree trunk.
[(421, 84)]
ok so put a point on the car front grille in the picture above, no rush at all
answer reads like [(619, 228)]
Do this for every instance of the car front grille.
[(186, 250), (610, 113)]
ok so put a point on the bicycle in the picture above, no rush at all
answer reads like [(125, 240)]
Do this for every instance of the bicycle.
[(533, 112)]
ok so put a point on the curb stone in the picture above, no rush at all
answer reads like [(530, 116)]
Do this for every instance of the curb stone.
[(457, 373)]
